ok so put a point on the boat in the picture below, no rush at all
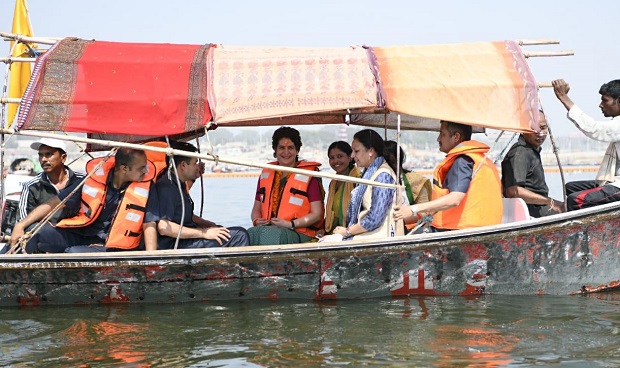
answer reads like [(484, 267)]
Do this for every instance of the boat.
[(567, 254)]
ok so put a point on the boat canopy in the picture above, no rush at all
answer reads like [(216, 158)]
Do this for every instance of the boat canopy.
[(145, 90)]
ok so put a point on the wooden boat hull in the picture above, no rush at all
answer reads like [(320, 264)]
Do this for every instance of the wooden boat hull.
[(561, 255)]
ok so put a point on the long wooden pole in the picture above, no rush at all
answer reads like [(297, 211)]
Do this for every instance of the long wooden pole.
[(11, 59), (20, 38), (529, 54), (14, 100), (209, 157), (538, 41)]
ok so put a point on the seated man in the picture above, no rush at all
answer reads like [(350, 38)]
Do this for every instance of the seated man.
[(606, 187), (460, 199), (166, 216), (49, 182), (110, 214), (523, 175)]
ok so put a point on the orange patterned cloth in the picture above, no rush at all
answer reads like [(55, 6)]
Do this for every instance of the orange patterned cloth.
[(486, 84)]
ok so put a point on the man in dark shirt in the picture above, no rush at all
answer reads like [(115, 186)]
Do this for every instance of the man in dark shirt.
[(174, 206), (523, 175)]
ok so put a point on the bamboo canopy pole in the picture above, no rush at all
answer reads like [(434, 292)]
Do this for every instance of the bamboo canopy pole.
[(13, 100), (545, 85), (538, 41), (10, 59), (19, 38), (209, 157), (529, 54)]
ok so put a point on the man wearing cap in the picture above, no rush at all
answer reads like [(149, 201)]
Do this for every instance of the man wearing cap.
[(49, 182)]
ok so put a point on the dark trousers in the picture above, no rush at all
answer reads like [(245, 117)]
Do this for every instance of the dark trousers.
[(56, 240), (238, 238), (587, 193)]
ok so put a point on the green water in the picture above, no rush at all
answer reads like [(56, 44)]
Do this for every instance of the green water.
[(425, 331)]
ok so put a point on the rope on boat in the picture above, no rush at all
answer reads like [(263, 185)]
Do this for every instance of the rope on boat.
[(202, 179), (556, 149), (21, 243), (173, 167), (426, 221), (501, 154), (216, 158)]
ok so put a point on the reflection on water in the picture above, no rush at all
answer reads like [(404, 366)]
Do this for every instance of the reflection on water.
[(437, 331)]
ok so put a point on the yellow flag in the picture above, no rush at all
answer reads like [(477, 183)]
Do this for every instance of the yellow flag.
[(20, 72)]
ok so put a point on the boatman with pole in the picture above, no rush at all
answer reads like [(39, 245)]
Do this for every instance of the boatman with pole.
[(606, 187), (466, 186), (109, 207)]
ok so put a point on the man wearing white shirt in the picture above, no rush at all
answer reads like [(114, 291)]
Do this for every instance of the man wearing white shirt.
[(606, 187)]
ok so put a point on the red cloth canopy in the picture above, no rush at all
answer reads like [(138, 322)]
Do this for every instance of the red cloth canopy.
[(118, 88)]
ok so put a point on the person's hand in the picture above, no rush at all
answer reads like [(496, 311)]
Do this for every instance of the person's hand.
[(560, 87), (219, 234), (281, 222), (18, 232), (558, 207), (402, 212), (260, 222), (340, 230)]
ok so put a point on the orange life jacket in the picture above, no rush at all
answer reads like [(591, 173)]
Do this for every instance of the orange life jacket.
[(126, 228), (294, 202), (157, 158), (482, 204)]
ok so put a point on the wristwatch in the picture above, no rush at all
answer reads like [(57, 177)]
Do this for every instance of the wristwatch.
[(347, 233), (292, 224)]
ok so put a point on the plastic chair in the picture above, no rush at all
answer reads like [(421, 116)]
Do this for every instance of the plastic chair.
[(515, 210)]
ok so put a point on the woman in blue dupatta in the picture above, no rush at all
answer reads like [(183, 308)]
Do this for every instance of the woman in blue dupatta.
[(370, 206)]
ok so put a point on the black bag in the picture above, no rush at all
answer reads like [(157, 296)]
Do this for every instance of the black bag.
[(9, 216)]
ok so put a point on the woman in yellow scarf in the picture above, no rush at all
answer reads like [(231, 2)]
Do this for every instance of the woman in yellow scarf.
[(339, 194)]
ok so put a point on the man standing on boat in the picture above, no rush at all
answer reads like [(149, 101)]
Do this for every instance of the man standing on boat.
[(466, 186), (523, 175), (174, 206), (110, 209), (606, 187), (53, 178)]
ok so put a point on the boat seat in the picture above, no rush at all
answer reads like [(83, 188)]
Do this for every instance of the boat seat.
[(515, 210)]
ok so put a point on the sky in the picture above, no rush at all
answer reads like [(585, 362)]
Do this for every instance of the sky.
[(587, 28)]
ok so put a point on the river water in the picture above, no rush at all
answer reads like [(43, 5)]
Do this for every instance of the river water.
[(487, 331)]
